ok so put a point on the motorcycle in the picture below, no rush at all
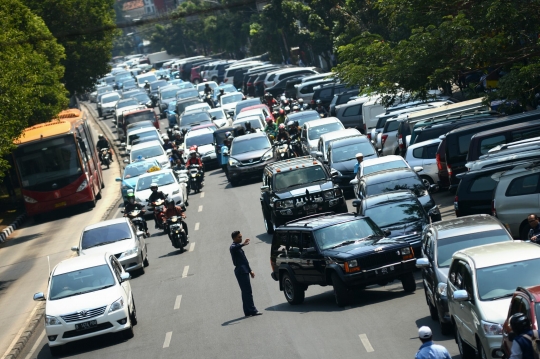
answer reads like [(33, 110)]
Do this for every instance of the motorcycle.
[(136, 217), (105, 157), (295, 145), (183, 179), (284, 150), (208, 99), (157, 208), (194, 178), (178, 235)]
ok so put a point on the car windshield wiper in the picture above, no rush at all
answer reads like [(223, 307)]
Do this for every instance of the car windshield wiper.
[(86, 291), (503, 296), (344, 243), (102, 244)]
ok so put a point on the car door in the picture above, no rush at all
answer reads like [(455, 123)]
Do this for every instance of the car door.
[(311, 261), (469, 311), (429, 162), (352, 116), (118, 270), (294, 251), (455, 282), (428, 274)]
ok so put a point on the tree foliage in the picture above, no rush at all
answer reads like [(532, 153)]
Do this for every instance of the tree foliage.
[(30, 73)]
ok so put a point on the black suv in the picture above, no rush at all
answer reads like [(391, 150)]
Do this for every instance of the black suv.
[(345, 251), (296, 188)]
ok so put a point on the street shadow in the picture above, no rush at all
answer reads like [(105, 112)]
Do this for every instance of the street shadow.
[(19, 240), (84, 346), (171, 254), (233, 321), (434, 326), (4, 284), (266, 238)]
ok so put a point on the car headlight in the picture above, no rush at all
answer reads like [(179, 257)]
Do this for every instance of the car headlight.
[(338, 192), (288, 203), (233, 162), (129, 252), (267, 156), (353, 263), (434, 211), (405, 251), (29, 199), (328, 194), (82, 186), (117, 305), (491, 328), (50, 320), (441, 289)]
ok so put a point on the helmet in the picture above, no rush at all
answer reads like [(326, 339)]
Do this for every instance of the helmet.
[(290, 123), (267, 94), (282, 98), (287, 108), (169, 201), (154, 185), (130, 194), (269, 119), (281, 111), (192, 152), (295, 108), (286, 102), (300, 100), (281, 126), (520, 323), (318, 102), (193, 148), (228, 133), (176, 128), (100, 136), (146, 81), (222, 90), (166, 138)]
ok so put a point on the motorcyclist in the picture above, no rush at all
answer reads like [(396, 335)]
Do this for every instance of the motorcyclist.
[(154, 196), (101, 144), (207, 90), (146, 85), (130, 205), (167, 144), (320, 108), (269, 100), (169, 133), (171, 210), (194, 160), (248, 128), (221, 93), (225, 148), (282, 134), (294, 129), (178, 139), (301, 104), (522, 345), (295, 108), (271, 128), (281, 117), (287, 110)]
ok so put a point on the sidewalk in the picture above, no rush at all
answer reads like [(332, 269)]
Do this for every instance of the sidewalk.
[(10, 209)]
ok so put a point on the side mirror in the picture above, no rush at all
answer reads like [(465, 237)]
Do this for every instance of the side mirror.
[(316, 153), (75, 249), (460, 295), (39, 297), (265, 188), (418, 168), (422, 263), (333, 172), (140, 234), (124, 277), (387, 232), (126, 161), (214, 118), (353, 181), (118, 179)]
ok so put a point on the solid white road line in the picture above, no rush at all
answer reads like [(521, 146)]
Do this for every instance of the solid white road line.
[(192, 246), (167, 341), (36, 345), (177, 302), (366, 343), (200, 208), (197, 226), (18, 336), (184, 273), (202, 194)]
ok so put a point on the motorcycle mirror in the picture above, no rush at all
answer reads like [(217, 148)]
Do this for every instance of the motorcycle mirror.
[(75, 249), (126, 161)]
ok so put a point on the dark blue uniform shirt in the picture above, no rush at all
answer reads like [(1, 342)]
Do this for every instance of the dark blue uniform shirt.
[(239, 258)]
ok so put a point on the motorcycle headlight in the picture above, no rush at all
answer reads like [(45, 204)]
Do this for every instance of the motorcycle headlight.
[(491, 328), (288, 203), (82, 186), (267, 156), (233, 162), (117, 305), (129, 252), (50, 320), (441, 289), (328, 194)]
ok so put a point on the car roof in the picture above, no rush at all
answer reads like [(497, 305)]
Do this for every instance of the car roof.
[(80, 262), (389, 175), (142, 129), (150, 174), (384, 198), (464, 225), (424, 143), (320, 221), (200, 131), (254, 107), (109, 94), (292, 116), (292, 164), (106, 223), (500, 253), (145, 145), (252, 112), (322, 121), (341, 142), (243, 119), (249, 136), (206, 125), (384, 159), (138, 163), (347, 132)]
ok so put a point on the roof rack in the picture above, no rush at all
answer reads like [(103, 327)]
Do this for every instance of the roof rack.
[(526, 142), (290, 162), (311, 216)]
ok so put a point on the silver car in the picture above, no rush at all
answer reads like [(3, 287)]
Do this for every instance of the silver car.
[(423, 155), (387, 138), (118, 236), (313, 130)]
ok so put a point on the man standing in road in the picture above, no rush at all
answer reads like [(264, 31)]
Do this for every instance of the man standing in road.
[(359, 159), (534, 232), (242, 271), (429, 350)]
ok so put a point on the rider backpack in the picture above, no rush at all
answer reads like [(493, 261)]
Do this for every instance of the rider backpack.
[(535, 340)]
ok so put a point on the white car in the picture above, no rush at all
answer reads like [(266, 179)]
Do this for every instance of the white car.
[(107, 104), (147, 150), (422, 154), (202, 138), (167, 183), (313, 130), (117, 236), (196, 108), (228, 102), (141, 135), (259, 112), (87, 296), (219, 117), (378, 164)]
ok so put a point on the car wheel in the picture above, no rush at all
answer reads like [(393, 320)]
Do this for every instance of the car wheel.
[(140, 271), (133, 314), (432, 309), (446, 328), (92, 204), (234, 183), (146, 263), (268, 224), (408, 282), (481, 351), (341, 292), (98, 196), (464, 349), (293, 292), (56, 351), (427, 181)]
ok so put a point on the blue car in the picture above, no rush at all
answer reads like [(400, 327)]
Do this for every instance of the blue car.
[(134, 170)]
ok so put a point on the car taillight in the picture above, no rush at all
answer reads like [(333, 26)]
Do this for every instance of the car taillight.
[(383, 139), (439, 164), (493, 210), (449, 169), (368, 136), (225, 80), (400, 141), (365, 128), (456, 206)]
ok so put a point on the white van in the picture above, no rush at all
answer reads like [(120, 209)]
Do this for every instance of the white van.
[(229, 74)]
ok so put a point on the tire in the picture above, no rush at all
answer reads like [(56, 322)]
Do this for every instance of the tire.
[(446, 328), (426, 180), (56, 351), (341, 292), (99, 196), (268, 224), (234, 183), (92, 204), (466, 351), (146, 263), (434, 314), (133, 314), (293, 292), (408, 282), (481, 352), (140, 271)]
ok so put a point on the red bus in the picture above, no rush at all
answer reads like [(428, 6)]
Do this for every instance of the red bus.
[(58, 165)]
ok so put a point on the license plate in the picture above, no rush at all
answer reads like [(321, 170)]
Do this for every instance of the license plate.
[(86, 325), (384, 271), (61, 204)]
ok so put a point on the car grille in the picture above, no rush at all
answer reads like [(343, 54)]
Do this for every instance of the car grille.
[(251, 161), (90, 313), (376, 260), (97, 328), (316, 198)]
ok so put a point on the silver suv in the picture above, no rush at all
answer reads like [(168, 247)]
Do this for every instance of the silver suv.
[(481, 282), (388, 137), (516, 196)]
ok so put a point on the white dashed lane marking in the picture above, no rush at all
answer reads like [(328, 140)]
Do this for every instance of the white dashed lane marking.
[(192, 246), (202, 194), (167, 341), (366, 343), (184, 273), (197, 226), (177, 302), (200, 208)]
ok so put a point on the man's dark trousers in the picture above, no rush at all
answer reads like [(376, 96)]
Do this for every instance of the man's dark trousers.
[(245, 287)]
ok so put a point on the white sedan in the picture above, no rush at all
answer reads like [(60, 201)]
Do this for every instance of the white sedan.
[(149, 150), (167, 183)]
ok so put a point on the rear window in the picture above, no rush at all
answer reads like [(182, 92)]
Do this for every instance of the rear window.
[(326, 93), (344, 98), (381, 122), (431, 134), (482, 184), (488, 143), (391, 126), (271, 77), (523, 185)]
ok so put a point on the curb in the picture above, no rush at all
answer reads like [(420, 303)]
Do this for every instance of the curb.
[(27, 332), (9, 229)]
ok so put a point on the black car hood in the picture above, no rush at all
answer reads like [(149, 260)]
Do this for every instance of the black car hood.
[(406, 229), (347, 166), (365, 247), (300, 190), (250, 155)]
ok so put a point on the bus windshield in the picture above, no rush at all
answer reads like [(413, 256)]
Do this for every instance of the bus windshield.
[(49, 164)]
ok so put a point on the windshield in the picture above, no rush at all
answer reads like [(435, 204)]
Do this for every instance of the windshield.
[(411, 183), (126, 103), (254, 121), (347, 153), (135, 170), (252, 144), (48, 164), (155, 85), (187, 94), (105, 235), (448, 246), (304, 117), (122, 75), (80, 282), (141, 97), (349, 231), (376, 167), (139, 116), (149, 135), (300, 176), (200, 140), (192, 118), (185, 85), (218, 114), (315, 132), (395, 213), (107, 99), (232, 98), (501, 280), (147, 152), (149, 78), (128, 82), (162, 179), (169, 94)]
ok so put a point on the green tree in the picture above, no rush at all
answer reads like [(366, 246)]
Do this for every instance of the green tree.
[(30, 73), (85, 28)]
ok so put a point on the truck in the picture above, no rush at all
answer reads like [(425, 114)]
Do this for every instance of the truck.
[(159, 57)]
